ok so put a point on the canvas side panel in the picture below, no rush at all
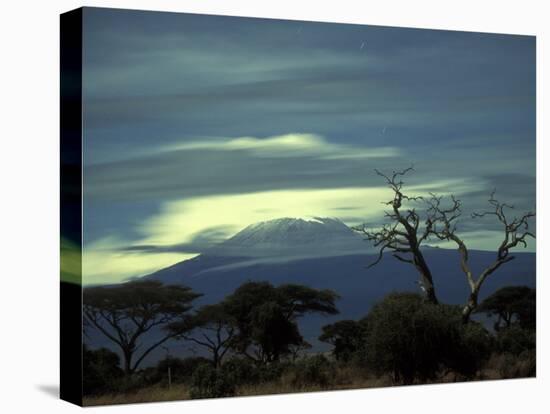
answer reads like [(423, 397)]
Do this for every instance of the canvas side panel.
[(71, 207)]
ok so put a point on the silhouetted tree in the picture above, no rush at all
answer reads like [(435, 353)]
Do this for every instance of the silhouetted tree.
[(515, 233), (100, 370), (212, 328), (345, 336), (416, 340), (404, 235), (409, 229), (125, 313), (266, 317), (511, 304)]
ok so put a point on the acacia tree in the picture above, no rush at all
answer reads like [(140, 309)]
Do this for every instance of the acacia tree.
[(212, 328), (266, 317), (125, 313), (408, 229), (511, 304)]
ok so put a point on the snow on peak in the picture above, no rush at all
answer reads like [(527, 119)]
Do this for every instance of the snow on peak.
[(318, 236)]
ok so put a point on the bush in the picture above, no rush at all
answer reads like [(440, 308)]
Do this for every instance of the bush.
[(209, 382), (272, 372), (345, 337), (181, 370), (414, 340), (470, 349), (515, 340), (515, 366), (241, 371), (314, 370), (101, 371)]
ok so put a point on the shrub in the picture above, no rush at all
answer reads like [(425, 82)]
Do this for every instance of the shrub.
[(181, 370), (272, 372), (469, 345), (345, 337), (515, 340), (101, 371), (415, 340), (314, 370), (511, 305), (209, 382), (241, 371), (515, 366)]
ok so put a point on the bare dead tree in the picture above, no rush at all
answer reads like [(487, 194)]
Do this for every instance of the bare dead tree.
[(407, 230), (404, 235), (515, 230)]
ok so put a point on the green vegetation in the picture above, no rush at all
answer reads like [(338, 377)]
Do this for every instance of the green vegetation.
[(416, 341), (252, 339), (126, 313), (511, 305)]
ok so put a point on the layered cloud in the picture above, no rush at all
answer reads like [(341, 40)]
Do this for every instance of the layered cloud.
[(184, 228), (208, 166), (195, 126), (107, 260), (289, 145)]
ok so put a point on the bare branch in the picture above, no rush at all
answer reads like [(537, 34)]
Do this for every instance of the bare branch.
[(402, 234)]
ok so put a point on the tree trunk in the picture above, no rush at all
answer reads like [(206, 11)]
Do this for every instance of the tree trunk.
[(470, 306), (216, 359), (127, 362), (426, 274)]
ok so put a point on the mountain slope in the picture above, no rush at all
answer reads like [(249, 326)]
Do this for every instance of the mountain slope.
[(323, 254), (326, 254), (292, 237)]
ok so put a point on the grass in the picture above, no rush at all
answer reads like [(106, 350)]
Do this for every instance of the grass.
[(154, 393), (345, 378)]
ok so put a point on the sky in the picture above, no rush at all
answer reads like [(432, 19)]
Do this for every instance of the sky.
[(196, 126)]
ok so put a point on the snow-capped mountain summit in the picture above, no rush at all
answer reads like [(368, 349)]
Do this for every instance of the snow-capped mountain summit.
[(293, 237)]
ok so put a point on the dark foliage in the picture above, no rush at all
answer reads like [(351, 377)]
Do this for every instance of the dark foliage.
[(470, 349), (511, 304), (415, 340), (515, 340), (101, 371), (213, 328), (125, 313), (209, 382), (265, 317), (314, 370), (242, 371), (345, 336), (181, 370)]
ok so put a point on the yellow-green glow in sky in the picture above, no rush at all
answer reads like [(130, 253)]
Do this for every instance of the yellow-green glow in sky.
[(178, 222)]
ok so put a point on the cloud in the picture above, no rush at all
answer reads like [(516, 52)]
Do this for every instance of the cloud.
[(182, 220), (183, 228), (288, 145), (238, 165), (108, 261), (286, 115), (198, 243)]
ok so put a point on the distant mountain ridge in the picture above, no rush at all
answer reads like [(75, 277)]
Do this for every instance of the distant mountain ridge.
[(325, 253), (292, 237), (246, 256)]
